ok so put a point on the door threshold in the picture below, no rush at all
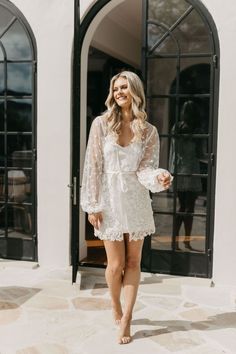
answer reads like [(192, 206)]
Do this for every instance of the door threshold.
[(11, 263)]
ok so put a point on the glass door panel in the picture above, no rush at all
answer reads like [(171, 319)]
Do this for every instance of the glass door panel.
[(162, 239), (1, 116), (158, 111), (178, 80), (19, 115), (167, 12), (160, 75), (193, 35)]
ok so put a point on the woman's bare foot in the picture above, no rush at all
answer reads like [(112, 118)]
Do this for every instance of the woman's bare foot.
[(124, 336), (117, 313)]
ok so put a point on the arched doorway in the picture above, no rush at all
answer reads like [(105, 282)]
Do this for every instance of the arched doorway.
[(178, 43), (18, 136)]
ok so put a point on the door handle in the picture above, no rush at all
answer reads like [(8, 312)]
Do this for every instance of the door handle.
[(73, 189)]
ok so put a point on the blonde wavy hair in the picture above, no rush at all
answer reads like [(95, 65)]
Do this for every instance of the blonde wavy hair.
[(113, 113)]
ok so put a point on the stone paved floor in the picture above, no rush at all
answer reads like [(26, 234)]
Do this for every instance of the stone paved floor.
[(42, 313)]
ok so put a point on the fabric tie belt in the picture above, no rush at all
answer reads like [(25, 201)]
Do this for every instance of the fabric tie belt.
[(119, 174)]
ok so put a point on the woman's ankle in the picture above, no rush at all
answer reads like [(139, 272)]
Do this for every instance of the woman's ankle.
[(127, 316)]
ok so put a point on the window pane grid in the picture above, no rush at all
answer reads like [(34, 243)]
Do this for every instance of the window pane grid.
[(175, 80), (17, 143)]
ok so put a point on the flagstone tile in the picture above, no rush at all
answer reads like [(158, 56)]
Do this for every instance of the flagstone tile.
[(9, 312), (164, 302), (49, 348), (225, 337), (207, 296), (190, 304), (99, 289), (4, 305), (176, 341), (16, 293), (197, 314), (160, 289), (208, 349), (47, 302), (91, 304), (108, 338), (58, 288)]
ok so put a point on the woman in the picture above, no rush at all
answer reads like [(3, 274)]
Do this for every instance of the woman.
[(121, 166), (185, 153)]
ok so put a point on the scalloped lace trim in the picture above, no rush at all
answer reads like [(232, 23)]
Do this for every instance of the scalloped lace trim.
[(118, 236)]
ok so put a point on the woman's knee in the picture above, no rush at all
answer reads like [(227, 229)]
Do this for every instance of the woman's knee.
[(133, 262), (115, 268)]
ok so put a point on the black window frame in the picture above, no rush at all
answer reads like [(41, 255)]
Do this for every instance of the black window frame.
[(21, 248)]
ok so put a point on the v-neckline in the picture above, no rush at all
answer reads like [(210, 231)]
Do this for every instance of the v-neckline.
[(130, 143)]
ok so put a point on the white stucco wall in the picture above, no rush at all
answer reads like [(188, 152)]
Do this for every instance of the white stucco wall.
[(224, 263), (52, 24)]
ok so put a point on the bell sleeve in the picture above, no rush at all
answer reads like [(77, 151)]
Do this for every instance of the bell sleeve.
[(92, 172), (148, 169)]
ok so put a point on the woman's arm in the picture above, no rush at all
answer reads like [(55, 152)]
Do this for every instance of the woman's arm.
[(149, 174), (92, 173)]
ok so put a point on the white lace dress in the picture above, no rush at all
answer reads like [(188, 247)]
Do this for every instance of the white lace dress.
[(116, 181)]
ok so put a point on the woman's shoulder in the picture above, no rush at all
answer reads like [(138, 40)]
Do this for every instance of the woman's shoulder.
[(100, 123), (150, 129)]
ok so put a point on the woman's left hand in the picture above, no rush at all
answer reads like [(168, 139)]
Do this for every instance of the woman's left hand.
[(164, 179)]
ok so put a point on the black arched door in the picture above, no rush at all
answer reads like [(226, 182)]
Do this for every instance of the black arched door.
[(180, 70), (17, 136)]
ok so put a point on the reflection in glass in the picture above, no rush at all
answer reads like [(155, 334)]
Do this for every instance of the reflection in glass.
[(161, 74), (2, 153), (5, 18), (19, 186), (203, 119), (19, 80), (158, 111), (155, 33), (195, 76), (193, 241), (19, 221), (19, 115), (200, 206), (16, 43), (184, 160), (1, 115), (167, 12), (193, 35), (2, 192), (163, 202), (19, 150), (162, 239), (2, 219), (185, 151)]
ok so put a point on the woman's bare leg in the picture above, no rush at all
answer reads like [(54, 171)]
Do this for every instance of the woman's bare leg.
[(131, 281), (115, 251)]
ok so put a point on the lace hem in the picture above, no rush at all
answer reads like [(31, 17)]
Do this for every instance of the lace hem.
[(118, 235)]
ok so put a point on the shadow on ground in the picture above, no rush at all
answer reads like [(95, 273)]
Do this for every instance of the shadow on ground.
[(219, 321), (12, 297)]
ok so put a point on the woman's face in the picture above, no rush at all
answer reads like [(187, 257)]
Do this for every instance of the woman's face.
[(121, 93)]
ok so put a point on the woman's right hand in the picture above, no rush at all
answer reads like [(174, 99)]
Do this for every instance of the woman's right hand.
[(95, 219)]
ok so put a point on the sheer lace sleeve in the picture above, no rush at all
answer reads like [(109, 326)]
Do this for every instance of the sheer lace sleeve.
[(149, 165), (92, 173)]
